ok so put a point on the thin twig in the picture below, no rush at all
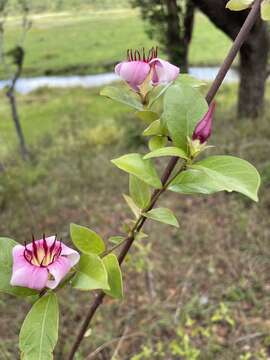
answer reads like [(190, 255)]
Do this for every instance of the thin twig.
[(111, 342), (249, 22)]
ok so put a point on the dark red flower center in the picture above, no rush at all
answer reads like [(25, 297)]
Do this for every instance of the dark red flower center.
[(42, 254), (140, 55)]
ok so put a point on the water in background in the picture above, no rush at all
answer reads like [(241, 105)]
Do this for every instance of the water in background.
[(26, 85)]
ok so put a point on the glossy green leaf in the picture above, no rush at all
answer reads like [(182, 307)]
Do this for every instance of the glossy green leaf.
[(218, 173), (265, 10), (39, 332), (163, 215), (167, 151), (86, 240), (237, 5), (114, 276), (186, 79), (147, 116), (153, 129), (6, 246), (139, 191), (122, 95), (143, 169), (184, 107), (157, 142), (134, 208), (91, 274)]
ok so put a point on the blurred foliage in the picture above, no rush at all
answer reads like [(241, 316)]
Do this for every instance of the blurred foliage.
[(38, 6)]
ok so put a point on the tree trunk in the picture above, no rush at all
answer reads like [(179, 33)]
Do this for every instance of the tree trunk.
[(253, 74), (179, 31), (253, 55)]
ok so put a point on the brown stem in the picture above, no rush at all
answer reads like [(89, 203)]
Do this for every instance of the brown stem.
[(250, 20)]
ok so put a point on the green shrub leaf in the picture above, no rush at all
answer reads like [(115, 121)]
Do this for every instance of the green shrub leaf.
[(218, 173), (186, 79), (91, 274), (114, 276), (147, 116), (139, 191), (123, 96), (157, 142), (238, 5), (184, 107), (39, 332), (143, 169), (167, 151), (153, 129), (6, 246), (265, 10), (86, 240), (163, 215), (133, 207)]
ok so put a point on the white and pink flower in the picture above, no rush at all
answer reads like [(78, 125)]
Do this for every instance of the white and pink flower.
[(42, 263), (139, 67)]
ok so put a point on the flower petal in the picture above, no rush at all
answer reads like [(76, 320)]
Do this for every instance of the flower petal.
[(71, 254), (58, 270), (133, 72), (25, 274), (164, 72)]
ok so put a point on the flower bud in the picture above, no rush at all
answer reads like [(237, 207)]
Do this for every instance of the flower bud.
[(203, 129)]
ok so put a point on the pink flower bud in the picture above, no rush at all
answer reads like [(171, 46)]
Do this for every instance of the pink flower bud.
[(203, 129), (139, 67), (42, 263)]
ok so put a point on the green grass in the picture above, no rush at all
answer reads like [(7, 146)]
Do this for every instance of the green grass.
[(220, 254), (92, 42)]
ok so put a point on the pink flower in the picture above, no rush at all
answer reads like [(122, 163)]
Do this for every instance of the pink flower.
[(139, 67), (42, 263), (203, 129)]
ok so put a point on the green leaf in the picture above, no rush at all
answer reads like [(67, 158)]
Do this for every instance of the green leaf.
[(6, 261), (167, 151), (139, 191), (153, 129), (186, 79), (134, 208), (91, 274), (147, 116), (237, 5), (86, 240), (143, 169), (265, 10), (39, 332), (123, 95), (163, 215), (157, 92), (184, 107), (157, 142), (116, 239), (114, 276), (218, 173)]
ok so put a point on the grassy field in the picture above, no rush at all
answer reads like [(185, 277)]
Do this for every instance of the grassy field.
[(92, 42), (203, 288)]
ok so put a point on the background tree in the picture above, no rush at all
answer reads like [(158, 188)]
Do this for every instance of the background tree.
[(171, 23), (253, 54)]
